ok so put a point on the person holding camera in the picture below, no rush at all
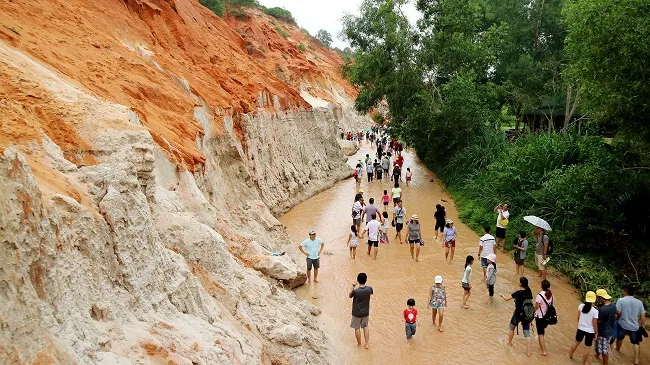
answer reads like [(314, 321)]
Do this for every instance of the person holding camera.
[(502, 222)]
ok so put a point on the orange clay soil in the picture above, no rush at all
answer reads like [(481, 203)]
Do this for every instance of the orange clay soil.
[(137, 52)]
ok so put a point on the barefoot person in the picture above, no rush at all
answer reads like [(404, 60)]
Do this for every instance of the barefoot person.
[(413, 234), (502, 222), (524, 312), (449, 240), (373, 228), (314, 247), (541, 248), (631, 318), (466, 282), (485, 248), (521, 248), (491, 277), (439, 216), (399, 212), (410, 319), (587, 326), (437, 301), (360, 295), (606, 320), (353, 241), (543, 301)]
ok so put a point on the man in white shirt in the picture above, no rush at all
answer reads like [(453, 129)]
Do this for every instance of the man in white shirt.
[(373, 228), (312, 248), (503, 215), (485, 248)]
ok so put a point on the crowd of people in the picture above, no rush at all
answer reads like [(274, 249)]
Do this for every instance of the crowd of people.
[(599, 319)]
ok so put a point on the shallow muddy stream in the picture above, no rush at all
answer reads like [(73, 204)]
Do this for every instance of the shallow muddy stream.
[(471, 336)]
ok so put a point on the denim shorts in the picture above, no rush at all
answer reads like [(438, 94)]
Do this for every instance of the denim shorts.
[(410, 330)]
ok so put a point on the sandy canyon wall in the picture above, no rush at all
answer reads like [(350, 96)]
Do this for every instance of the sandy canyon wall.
[(145, 147)]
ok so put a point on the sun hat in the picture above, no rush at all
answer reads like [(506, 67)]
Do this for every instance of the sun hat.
[(415, 217), (360, 190), (603, 293), (449, 221), (492, 257), (590, 297), (312, 231), (438, 279)]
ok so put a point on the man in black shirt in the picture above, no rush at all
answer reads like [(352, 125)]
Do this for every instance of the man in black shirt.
[(360, 307), (606, 317)]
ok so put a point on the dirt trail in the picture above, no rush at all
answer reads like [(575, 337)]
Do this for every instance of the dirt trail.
[(476, 335)]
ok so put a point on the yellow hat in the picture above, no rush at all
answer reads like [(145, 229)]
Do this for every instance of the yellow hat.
[(603, 293), (590, 297)]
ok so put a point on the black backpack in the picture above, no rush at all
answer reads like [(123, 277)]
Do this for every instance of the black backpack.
[(549, 249), (551, 314)]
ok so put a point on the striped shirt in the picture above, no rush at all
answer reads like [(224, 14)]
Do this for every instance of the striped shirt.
[(487, 242)]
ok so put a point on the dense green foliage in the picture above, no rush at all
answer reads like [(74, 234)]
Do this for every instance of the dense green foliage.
[(577, 67), (324, 37)]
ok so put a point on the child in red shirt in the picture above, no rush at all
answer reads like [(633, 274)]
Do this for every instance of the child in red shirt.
[(410, 317)]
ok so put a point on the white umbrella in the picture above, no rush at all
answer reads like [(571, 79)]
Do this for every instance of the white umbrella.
[(538, 222)]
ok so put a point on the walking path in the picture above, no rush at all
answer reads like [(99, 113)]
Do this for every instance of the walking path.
[(472, 336)]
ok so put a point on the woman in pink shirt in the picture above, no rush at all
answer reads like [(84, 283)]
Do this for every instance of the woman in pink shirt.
[(543, 300)]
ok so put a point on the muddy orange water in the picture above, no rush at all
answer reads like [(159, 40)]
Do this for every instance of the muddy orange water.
[(471, 336)]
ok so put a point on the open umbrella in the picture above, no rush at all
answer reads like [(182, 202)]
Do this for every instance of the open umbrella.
[(538, 222)]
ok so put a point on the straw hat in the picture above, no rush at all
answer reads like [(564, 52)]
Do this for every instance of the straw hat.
[(492, 257), (312, 231), (590, 297), (415, 217), (449, 221)]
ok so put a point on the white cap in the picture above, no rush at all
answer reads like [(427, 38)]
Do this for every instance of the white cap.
[(312, 231), (438, 279), (492, 257)]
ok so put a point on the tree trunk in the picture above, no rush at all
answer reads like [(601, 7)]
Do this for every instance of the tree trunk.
[(569, 115), (518, 117), (567, 107)]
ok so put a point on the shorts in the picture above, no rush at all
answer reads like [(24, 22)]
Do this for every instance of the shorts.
[(466, 286), (399, 227), (514, 322), (588, 337), (501, 233), (440, 226), (386, 203), (635, 336), (519, 261), (541, 325), (491, 289), (373, 243), (357, 221), (386, 171), (313, 262), (359, 322), (484, 263), (451, 243), (395, 200), (602, 345), (408, 179), (354, 244), (412, 242), (410, 329), (538, 262)]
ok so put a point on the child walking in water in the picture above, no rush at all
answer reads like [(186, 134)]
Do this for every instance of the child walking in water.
[(385, 199), (353, 241), (409, 175), (491, 276), (410, 317), (437, 301), (384, 228), (467, 279)]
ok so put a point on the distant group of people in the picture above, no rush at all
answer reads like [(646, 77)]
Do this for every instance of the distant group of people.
[(599, 319)]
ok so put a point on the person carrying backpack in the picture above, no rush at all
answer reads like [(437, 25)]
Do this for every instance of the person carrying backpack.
[(524, 311), (545, 313)]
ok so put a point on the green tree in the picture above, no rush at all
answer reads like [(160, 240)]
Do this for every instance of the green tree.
[(324, 37), (608, 47)]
